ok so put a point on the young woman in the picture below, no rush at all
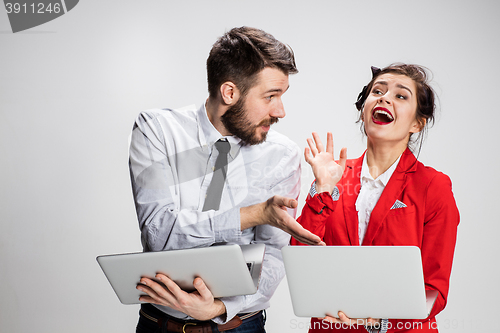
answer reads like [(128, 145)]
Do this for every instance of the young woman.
[(386, 196)]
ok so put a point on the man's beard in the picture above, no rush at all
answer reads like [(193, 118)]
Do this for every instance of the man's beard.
[(236, 121)]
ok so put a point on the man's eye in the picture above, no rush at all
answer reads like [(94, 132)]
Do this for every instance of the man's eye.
[(270, 98)]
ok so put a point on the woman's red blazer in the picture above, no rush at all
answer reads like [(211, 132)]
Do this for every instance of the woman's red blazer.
[(429, 221)]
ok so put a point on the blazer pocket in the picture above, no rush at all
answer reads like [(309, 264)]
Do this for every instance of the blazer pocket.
[(402, 226), (402, 211)]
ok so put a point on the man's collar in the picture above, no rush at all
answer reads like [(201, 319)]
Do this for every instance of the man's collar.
[(209, 134)]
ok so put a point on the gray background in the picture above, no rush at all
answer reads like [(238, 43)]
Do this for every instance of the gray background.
[(70, 90)]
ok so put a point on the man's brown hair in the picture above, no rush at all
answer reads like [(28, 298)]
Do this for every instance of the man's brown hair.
[(240, 54)]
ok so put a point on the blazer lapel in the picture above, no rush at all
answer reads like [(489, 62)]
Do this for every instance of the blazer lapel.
[(391, 193), (351, 185)]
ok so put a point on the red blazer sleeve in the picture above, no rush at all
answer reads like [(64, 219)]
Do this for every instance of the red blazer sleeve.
[(315, 214), (440, 235)]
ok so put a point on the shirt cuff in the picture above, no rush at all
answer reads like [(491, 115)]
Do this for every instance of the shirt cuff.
[(319, 201), (227, 226), (335, 193), (233, 305), (382, 328)]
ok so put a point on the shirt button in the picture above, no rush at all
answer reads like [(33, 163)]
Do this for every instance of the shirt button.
[(213, 168)]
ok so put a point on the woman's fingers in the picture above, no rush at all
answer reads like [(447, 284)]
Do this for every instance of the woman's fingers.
[(329, 143), (316, 147), (331, 319), (307, 155), (313, 148), (343, 318), (343, 157), (319, 144)]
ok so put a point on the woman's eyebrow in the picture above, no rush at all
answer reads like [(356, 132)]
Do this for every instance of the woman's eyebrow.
[(399, 85), (404, 87), (384, 83)]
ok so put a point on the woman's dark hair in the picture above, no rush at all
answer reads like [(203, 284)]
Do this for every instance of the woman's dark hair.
[(425, 95), (240, 54)]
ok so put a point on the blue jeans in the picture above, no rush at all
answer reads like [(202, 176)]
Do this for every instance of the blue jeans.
[(254, 324)]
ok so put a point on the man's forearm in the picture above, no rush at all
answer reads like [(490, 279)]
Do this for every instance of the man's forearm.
[(252, 216)]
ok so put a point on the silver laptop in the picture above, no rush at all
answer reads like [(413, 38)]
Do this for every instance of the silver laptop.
[(361, 281), (228, 270)]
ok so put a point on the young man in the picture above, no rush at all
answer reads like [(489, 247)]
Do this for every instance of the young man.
[(219, 174)]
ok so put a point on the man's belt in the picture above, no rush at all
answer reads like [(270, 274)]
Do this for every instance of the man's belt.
[(181, 326)]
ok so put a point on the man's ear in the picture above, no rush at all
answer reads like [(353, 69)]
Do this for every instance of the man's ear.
[(229, 93)]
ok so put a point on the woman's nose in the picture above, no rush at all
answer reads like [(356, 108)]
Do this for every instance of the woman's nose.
[(384, 100)]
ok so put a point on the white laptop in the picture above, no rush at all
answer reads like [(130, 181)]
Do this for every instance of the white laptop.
[(228, 270), (361, 281)]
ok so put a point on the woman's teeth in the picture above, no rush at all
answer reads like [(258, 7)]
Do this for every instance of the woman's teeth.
[(383, 116)]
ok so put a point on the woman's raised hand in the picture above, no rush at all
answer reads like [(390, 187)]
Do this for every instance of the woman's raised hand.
[(325, 169)]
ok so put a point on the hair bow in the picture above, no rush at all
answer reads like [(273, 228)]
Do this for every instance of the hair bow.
[(363, 94), (375, 71)]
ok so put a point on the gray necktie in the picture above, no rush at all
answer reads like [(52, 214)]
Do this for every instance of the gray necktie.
[(214, 192)]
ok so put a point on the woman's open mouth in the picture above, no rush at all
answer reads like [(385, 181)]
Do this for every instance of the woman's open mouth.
[(382, 116)]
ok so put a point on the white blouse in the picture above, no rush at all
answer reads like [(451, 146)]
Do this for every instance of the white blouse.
[(371, 190)]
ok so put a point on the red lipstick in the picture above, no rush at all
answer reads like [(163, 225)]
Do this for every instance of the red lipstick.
[(382, 116)]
